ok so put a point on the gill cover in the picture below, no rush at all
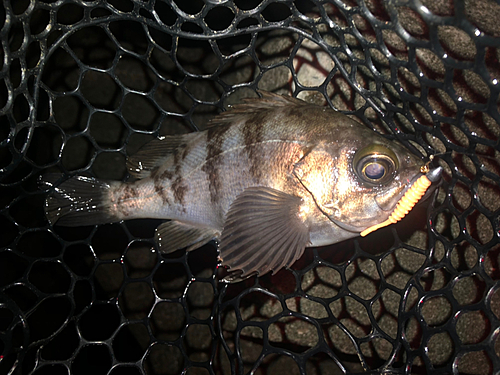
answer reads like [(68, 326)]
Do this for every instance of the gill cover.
[(315, 171)]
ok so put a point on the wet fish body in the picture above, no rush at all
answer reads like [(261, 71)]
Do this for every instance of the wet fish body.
[(267, 179)]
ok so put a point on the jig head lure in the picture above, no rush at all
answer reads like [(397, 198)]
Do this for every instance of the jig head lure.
[(410, 199)]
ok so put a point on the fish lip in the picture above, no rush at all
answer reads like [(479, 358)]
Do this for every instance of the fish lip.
[(347, 227)]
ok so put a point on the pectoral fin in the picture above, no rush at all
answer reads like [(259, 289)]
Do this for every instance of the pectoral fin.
[(174, 235), (263, 232)]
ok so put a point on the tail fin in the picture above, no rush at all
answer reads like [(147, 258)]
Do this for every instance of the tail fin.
[(77, 201)]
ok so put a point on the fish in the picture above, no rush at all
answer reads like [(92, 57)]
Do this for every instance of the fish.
[(267, 179)]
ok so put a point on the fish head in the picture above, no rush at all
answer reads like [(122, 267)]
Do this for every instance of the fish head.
[(357, 183)]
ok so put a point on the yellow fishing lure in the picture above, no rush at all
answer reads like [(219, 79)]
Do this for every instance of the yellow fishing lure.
[(409, 200)]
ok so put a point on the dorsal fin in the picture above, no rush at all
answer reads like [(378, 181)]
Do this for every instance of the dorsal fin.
[(270, 99), (251, 106), (154, 153)]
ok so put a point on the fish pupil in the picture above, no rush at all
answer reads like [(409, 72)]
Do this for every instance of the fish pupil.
[(374, 171)]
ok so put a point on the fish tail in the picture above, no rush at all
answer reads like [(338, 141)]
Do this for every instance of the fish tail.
[(78, 201)]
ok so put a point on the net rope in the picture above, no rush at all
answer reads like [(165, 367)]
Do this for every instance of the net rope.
[(83, 84)]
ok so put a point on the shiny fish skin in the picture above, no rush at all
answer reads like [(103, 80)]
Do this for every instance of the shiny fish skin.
[(269, 177)]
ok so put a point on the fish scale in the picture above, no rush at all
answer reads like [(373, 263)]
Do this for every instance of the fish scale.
[(269, 178)]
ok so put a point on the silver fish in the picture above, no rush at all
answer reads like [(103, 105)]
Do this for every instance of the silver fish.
[(269, 178)]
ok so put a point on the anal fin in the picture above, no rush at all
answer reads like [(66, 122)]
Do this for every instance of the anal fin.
[(174, 235)]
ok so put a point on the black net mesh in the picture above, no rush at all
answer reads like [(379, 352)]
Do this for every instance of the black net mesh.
[(84, 83)]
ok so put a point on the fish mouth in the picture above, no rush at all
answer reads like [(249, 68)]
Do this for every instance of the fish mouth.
[(434, 176)]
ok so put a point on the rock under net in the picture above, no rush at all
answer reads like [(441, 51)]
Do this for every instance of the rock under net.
[(83, 84)]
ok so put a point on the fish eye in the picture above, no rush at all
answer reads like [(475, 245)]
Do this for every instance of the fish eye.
[(374, 170), (375, 164)]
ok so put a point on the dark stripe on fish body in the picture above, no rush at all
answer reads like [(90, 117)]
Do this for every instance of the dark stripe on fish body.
[(295, 114), (128, 193), (253, 133), (178, 169), (166, 175), (186, 148), (180, 189), (215, 141), (158, 184), (154, 172), (179, 153), (161, 192), (178, 186)]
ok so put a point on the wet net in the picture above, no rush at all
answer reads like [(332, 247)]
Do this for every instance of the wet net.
[(83, 84)]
